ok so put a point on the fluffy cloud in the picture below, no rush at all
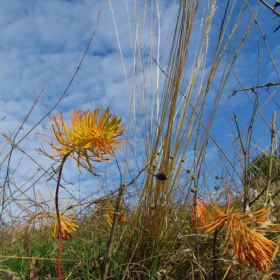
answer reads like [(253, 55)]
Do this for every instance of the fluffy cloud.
[(42, 44)]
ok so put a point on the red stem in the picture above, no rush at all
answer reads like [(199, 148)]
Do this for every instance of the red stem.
[(58, 219)]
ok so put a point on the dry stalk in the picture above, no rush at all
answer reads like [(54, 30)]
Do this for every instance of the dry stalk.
[(272, 145)]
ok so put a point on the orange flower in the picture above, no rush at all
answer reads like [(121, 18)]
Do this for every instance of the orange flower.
[(199, 212), (91, 136), (110, 216), (249, 245), (67, 223)]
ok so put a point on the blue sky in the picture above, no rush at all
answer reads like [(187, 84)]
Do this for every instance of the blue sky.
[(43, 42)]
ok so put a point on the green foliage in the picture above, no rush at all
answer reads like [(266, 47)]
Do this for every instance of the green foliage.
[(260, 165)]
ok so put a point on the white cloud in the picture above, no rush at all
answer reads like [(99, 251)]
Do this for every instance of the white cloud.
[(50, 37)]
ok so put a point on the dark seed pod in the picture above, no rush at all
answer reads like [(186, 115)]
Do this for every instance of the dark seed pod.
[(194, 176), (217, 188), (161, 176)]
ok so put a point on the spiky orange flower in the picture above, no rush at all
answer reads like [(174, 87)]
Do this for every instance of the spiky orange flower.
[(199, 212), (91, 136), (68, 226), (249, 245)]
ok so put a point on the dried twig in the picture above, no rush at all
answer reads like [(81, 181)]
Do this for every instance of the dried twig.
[(271, 8)]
